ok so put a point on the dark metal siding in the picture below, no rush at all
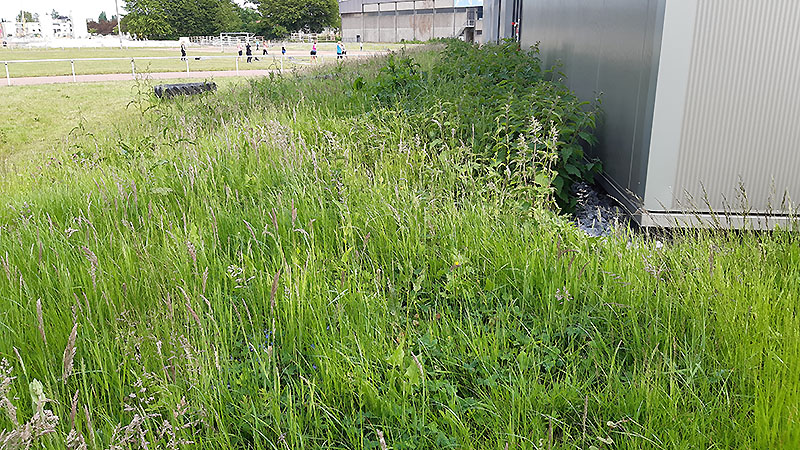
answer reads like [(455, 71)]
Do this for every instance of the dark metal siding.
[(608, 49)]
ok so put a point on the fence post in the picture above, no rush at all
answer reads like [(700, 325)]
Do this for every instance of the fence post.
[(72, 63), (133, 69), (8, 77), (237, 65), (281, 64), (187, 65)]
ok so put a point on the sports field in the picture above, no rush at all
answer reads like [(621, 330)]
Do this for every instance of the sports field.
[(37, 123), (200, 59)]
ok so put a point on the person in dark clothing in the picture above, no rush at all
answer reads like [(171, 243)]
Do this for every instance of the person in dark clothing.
[(183, 51), (249, 53)]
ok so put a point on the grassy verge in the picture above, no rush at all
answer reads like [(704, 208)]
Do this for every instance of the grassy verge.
[(292, 263), (39, 122)]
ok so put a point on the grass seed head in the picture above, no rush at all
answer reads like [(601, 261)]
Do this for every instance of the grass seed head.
[(5, 390), (192, 251), (75, 441), (74, 409), (69, 353), (93, 264), (274, 289), (381, 440), (40, 317)]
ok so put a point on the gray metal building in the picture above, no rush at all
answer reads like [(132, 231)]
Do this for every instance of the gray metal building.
[(701, 99), (420, 20)]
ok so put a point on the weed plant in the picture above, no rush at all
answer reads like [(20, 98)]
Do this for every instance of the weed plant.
[(304, 262)]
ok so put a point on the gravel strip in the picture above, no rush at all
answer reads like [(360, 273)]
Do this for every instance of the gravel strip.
[(596, 213)]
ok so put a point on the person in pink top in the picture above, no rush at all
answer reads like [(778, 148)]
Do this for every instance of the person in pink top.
[(314, 51)]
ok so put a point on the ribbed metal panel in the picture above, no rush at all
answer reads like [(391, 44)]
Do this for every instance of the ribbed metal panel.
[(741, 127), (608, 49)]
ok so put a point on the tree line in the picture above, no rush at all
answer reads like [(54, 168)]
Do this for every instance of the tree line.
[(27, 16), (171, 19), (102, 25)]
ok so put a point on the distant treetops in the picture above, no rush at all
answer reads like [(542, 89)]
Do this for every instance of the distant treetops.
[(170, 19)]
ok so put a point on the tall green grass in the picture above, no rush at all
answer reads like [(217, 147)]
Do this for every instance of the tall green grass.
[(290, 264)]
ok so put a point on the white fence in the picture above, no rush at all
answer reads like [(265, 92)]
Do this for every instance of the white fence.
[(227, 40), (91, 42), (277, 64)]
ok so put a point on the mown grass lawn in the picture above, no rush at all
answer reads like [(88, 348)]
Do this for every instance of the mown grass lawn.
[(353, 259), (38, 122), (295, 52)]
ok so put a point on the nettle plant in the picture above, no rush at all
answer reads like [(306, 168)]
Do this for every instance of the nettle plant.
[(553, 107), (498, 102), (399, 79)]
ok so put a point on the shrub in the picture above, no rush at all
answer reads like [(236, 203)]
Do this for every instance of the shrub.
[(488, 97)]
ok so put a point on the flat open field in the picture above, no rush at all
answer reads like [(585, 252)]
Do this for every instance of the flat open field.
[(367, 256), (295, 52), (37, 122)]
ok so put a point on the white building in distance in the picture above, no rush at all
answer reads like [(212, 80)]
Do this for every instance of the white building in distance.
[(47, 27)]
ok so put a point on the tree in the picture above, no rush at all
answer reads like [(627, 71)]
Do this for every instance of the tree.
[(250, 20), (147, 19), (170, 19), (280, 17), (105, 27), (195, 17), (27, 16), (228, 17), (55, 14)]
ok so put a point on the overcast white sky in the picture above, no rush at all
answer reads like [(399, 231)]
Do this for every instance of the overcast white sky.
[(80, 9)]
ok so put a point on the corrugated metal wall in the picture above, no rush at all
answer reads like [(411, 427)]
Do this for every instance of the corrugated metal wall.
[(741, 125), (396, 20), (610, 47)]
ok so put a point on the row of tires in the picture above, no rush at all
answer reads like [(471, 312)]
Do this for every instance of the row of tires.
[(171, 90)]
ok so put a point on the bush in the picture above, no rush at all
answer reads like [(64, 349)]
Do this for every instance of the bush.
[(494, 98)]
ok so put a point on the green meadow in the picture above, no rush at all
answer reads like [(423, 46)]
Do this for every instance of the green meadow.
[(370, 255)]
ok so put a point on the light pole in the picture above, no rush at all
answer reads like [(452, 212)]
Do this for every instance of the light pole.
[(119, 23)]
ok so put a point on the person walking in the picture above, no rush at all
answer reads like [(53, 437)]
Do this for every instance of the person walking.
[(264, 47), (239, 47), (314, 51), (249, 53), (183, 51), (339, 50), (283, 50)]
